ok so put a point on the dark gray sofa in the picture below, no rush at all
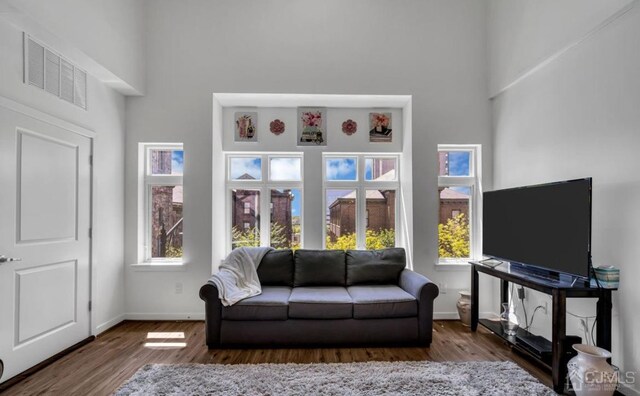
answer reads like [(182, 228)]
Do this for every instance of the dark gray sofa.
[(326, 297)]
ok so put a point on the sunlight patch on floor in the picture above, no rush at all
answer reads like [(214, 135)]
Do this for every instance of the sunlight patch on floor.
[(165, 345), (165, 335)]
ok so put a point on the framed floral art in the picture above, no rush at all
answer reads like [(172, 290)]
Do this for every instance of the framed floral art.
[(380, 127), (312, 129), (246, 126)]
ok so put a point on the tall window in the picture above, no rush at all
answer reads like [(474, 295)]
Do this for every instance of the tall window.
[(269, 184), (460, 194), (163, 201), (360, 200)]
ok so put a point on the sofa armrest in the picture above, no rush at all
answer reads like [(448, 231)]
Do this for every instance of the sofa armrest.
[(213, 314), (424, 291)]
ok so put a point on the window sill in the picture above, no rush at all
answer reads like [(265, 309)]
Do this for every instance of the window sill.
[(452, 265), (160, 266)]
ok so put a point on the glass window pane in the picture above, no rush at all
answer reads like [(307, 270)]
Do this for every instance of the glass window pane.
[(380, 169), (285, 169), (453, 226), (454, 163), (245, 168), (341, 219), (245, 218), (166, 221), (167, 162), (341, 169), (380, 219), (286, 207)]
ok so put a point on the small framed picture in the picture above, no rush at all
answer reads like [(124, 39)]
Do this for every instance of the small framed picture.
[(246, 127), (312, 126), (380, 130)]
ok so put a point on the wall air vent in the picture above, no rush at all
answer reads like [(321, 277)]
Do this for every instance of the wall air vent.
[(47, 70)]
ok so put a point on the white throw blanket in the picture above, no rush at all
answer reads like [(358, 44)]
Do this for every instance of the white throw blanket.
[(237, 277)]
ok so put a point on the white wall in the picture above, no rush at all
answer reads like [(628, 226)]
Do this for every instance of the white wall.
[(111, 32), (432, 50), (523, 33), (105, 116), (578, 116)]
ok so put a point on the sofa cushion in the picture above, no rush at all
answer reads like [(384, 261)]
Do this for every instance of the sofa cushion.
[(276, 268), (320, 302), (382, 301), (375, 267), (272, 304), (319, 268)]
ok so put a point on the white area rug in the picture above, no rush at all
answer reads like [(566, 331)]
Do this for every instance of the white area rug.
[(372, 378)]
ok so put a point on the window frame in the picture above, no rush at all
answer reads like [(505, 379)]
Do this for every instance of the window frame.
[(361, 185), (264, 186), (149, 181), (474, 182)]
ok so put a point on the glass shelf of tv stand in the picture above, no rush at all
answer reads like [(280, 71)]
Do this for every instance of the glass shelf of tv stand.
[(515, 342), (522, 272)]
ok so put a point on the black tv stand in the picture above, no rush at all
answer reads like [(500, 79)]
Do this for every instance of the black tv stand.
[(550, 354)]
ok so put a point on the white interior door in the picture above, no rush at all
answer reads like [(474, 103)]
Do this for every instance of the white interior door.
[(45, 216)]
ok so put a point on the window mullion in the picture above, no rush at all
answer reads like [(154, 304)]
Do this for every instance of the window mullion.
[(361, 204), (265, 216)]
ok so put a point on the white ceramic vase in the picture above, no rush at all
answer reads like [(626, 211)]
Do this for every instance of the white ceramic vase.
[(464, 307), (590, 373)]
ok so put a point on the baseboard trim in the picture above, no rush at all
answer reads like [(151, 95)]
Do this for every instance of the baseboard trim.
[(25, 374), (101, 328), (164, 316), (454, 315)]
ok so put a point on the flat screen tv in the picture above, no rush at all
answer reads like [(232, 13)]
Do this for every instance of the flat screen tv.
[(545, 226)]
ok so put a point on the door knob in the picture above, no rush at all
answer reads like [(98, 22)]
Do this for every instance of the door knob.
[(4, 259)]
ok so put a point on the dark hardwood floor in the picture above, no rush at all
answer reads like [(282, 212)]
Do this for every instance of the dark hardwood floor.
[(101, 366)]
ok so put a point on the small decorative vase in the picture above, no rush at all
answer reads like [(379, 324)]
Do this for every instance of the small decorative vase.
[(509, 320), (590, 373), (464, 307)]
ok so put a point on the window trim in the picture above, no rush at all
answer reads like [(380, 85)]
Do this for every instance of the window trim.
[(474, 182), (361, 185), (264, 186), (148, 181)]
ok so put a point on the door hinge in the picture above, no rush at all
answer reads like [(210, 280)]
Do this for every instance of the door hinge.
[(91, 160), (90, 232), (89, 305)]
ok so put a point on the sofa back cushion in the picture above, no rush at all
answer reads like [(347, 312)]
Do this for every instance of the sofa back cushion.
[(276, 268), (375, 267), (319, 268)]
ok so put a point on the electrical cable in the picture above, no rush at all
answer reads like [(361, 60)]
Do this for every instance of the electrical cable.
[(581, 317), (524, 308), (533, 316)]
